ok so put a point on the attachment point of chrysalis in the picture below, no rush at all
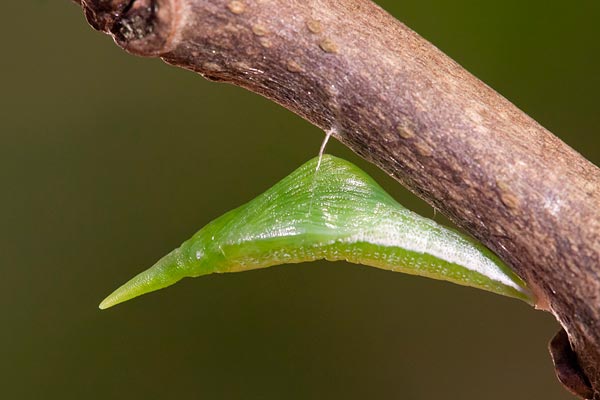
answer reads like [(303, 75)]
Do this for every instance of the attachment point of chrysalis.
[(328, 135)]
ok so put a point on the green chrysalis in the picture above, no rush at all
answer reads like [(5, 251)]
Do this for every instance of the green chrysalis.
[(335, 213)]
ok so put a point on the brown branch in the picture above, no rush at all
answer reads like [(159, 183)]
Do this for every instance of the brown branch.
[(399, 102)]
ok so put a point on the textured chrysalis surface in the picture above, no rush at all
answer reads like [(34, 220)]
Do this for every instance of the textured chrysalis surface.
[(337, 213)]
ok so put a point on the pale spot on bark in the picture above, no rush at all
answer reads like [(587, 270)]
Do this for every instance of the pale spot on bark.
[(506, 196), (424, 149), (259, 30), (236, 7), (265, 42), (293, 66), (314, 26), (210, 66), (328, 46), (405, 132)]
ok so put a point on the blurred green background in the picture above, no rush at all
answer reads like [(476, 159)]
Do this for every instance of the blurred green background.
[(109, 161)]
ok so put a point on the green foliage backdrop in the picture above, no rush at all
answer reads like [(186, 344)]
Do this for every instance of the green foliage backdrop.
[(108, 161)]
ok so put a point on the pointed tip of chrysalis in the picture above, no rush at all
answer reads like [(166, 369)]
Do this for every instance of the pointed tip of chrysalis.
[(105, 304), (162, 274)]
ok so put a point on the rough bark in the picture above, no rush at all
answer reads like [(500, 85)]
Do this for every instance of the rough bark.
[(396, 100)]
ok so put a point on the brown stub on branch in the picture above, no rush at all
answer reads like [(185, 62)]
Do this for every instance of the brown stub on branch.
[(567, 366), (141, 27), (395, 99), (102, 14)]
